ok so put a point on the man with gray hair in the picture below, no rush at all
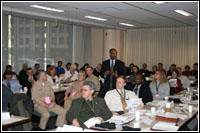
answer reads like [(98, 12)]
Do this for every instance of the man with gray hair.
[(88, 107), (44, 101)]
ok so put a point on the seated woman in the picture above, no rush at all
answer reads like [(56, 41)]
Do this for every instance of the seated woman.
[(52, 77), (118, 99), (175, 87), (187, 71), (160, 86)]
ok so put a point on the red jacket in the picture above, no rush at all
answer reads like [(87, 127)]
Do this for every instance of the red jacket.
[(186, 73), (179, 88)]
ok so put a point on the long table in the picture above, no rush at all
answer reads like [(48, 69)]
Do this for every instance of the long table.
[(14, 121)]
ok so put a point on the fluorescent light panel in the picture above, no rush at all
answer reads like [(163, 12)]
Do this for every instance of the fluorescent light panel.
[(96, 18), (126, 24), (159, 2), (184, 13), (46, 8)]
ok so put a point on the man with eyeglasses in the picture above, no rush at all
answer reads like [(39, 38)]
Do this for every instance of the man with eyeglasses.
[(87, 107)]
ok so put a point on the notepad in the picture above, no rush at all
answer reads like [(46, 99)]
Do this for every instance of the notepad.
[(68, 128), (164, 126), (91, 122)]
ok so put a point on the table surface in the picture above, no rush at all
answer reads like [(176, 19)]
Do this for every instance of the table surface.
[(13, 121)]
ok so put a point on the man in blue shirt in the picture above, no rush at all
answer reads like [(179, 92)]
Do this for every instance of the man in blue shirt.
[(13, 85), (59, 69)]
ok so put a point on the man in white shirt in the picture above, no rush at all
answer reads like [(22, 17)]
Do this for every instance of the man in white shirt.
[(184, 80), (71, 75), (118, 99)]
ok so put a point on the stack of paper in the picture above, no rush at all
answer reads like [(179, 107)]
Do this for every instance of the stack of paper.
[(164, 126), (67, 128), (91, 122), (119, 120)]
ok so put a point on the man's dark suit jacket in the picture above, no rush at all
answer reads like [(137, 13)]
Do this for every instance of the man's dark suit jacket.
[(119, 68), (144, 93), (100, 109)]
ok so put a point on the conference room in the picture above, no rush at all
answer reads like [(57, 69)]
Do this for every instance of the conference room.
[(99, 66)]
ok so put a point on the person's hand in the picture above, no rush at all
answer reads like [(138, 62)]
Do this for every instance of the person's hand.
[(114, 74), (99, 118), (75, 123), (107, 73), (114, 113), (68, 80), (139, 107), (51, 105), (65, 98)]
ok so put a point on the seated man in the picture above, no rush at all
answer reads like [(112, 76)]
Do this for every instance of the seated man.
[(28, 80), (141, 89), (87, 107), (44, 101), (74, 90), (10, 83), (6, 96), (71, 75), (118, 99), (93, 78)]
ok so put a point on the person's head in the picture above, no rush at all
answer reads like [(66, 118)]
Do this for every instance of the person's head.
[(173, 66), (89, 70), (37, 67), (85, 66), (52, 71), (161, 76), (8, 75), (41, 76), (81, 75), (195, 66), (77, 65), (144, 66), (99, 66), (29, 71), (113, 53), (154, 68), (73, 68), (139, 79), (121, 82), (68, 65), (179, 71), (187, 68), (25, 66), (60, 64), (135, 69), (48, 68), (160, 66), (131, 66), (88, 89), (175, 74), (9, 68)]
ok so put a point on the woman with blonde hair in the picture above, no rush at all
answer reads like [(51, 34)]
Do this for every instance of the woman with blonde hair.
[(160, 86), (52, 77)]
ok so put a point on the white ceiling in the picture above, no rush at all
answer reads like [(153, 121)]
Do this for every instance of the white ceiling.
[(140, 14)]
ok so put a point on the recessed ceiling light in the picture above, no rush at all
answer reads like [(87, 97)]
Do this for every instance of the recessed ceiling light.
[(182, 12), (96, 18), (159, 2), (47, 8), (126, 24)]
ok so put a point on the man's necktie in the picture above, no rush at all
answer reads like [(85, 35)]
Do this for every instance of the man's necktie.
[(136, 89), (8, 85), (124, 104)]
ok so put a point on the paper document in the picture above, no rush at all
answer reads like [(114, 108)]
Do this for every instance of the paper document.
[(165, 126), (68, 128), (91, 122), (133, 104)]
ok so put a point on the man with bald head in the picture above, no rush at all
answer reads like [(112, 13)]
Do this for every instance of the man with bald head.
[(111, 69)]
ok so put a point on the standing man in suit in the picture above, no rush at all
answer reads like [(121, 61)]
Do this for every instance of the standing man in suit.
[(88, 107), (111, 69), (141, 89)]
